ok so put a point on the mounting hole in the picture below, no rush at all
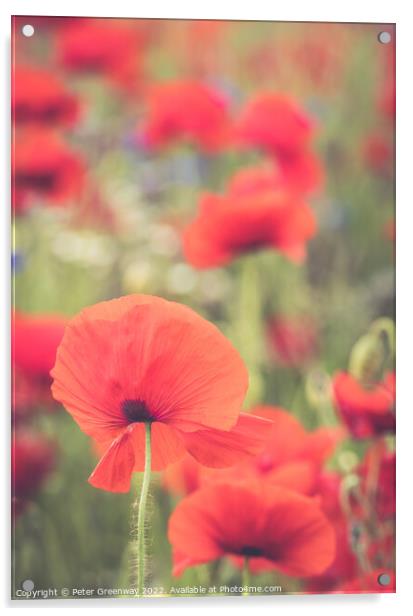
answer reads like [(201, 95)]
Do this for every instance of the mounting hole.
[(384, 37), (28, 30), (28, 585), (384, 579)]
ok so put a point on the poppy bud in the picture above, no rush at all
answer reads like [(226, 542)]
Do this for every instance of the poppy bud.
[(385, 328), (367, 358), (318, 388)]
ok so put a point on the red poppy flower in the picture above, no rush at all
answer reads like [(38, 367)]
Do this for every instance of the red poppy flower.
[(40, 97), (379, 468), (345, 565), (163, 364), (366, 411), (35, 339), (33, 458), (275, 528), (186, 111), (103, 46), (247, 220), (301, 171), (187, 475), (276, 124), (369, 583), (183, 477), (288, 446), (294, 177), (290, 457), (294, 339), (378, 153), (328, 489), (45, 167)]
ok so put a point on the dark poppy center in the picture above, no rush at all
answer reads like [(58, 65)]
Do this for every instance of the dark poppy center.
[(249, 245), (250, 550), (136, 411), (39, 181), (51, 113), (255, 240)]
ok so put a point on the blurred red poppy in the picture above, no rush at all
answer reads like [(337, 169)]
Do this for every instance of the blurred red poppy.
[(378, 153), (276, 124), (378, 480), (302, 171), (273, 529), (45, 168), (182, 477), (40, 97), (33, 458), (109, 47), (35, 339), (251, 217), (345, 564), (163, 364), (293, 339), (366, 411), (289, 456), (185, 111), (369, 583), (289, 448)]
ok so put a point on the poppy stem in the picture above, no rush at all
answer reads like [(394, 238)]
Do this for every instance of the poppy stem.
[(245, 577), (141, 512)]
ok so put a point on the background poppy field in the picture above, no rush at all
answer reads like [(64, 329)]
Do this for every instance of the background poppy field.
[(147, 157)]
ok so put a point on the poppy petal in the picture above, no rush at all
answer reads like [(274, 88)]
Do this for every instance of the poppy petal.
[(113, 472), (297, 476), (154, 352), (166, 446), (216, 448), (320, 444)]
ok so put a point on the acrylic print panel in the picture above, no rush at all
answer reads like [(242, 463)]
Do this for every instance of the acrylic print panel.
[(203, 325)]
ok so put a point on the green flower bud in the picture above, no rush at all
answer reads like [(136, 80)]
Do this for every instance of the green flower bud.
[(367, 358), (318, 388), (386, 329)]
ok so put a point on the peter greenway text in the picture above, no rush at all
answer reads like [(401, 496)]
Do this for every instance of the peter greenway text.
[(155, 591)]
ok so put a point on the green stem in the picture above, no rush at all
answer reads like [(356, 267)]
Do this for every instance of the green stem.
[(245, 577), (139, 579)]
